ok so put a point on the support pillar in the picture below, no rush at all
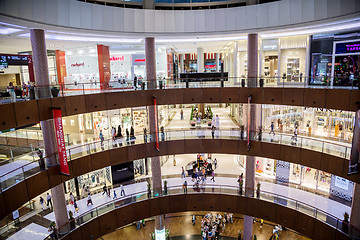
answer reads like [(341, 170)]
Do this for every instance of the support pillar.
[(235, 60), (153, 127), (254, 119), (200, 60), (181, 59), (37, 37), (217, 61), (355, 207)]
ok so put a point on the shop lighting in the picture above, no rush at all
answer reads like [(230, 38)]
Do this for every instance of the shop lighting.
[(12, 25), (80, 51), (7, 31), (214, 39), (69, 53)]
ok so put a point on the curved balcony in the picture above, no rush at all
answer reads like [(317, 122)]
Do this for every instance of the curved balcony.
[(307, 220), (322, 155), (85, 100)]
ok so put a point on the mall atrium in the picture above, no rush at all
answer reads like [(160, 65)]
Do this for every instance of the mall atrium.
[(179, 119)]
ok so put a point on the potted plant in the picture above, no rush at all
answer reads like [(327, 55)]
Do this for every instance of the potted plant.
[(345, 222), (241, 183), (165, 187), (71, 220), (149, 190), (258, 190)]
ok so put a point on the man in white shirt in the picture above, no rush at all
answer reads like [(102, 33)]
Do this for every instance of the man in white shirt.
[(48, 198)]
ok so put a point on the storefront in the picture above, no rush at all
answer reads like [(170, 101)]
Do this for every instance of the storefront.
[(335, 59), (269, 60)]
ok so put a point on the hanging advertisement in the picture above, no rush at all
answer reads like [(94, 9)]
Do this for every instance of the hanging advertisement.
[(341, 183), (59, 132), (355, 149), (156, 125)]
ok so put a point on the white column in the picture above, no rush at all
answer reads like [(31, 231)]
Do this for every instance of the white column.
[(200, 60), (235, 60), (181, 59), (306, 74), (279, 62), (217, 56)]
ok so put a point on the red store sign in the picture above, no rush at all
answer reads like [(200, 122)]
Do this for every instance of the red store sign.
[(117, 58), (78, 64), (140, 60)]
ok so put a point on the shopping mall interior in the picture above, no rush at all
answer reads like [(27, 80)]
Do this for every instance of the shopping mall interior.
[(179, 119)]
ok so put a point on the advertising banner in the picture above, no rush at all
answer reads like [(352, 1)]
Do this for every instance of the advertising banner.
[(156, 125), (355, 148), (59, 132)]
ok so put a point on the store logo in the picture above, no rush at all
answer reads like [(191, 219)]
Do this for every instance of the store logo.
[(77, 64), (117, 58), (352, 47), (140, 60)]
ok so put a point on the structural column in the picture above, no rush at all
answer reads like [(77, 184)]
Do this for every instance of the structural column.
[(217, 56), (235, 60), (37, 37), (355, 207), (254, 118), (200, 60), (181, 59), (153, 127)]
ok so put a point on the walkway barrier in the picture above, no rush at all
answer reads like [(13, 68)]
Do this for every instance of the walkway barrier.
[(31, 92), (202, 202), (17, 175)]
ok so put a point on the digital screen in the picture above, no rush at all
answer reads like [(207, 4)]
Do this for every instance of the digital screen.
[(348, 47), (13, 59)]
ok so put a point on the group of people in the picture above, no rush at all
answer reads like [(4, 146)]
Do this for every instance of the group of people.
[(25, 91), (213, 225), (117, 137), (48, 201)]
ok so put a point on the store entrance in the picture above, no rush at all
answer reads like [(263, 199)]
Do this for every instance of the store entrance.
[(270, 66)]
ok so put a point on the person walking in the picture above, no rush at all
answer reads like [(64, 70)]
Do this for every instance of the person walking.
[(295, 134), (193, 219), (213, 131), (48, 198), (181, 114), (213, 176), (101, 136), (104, 189), (113, 136), (127, 137), (135, 82), (72, 199), (108, 191), (185, 187), (41, 159), (76, 209), (11, 90), (182, 172), (132, 135), (145, 135), (122, 191), (162, 132), (215, 163), (115, 196), (89, 200), (272, 128), (42, 202)]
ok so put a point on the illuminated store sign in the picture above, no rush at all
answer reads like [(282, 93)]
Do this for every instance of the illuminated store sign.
[(348, 47), (117, 58), (270, 44), (140, 60), (160, 234), (78, 64)]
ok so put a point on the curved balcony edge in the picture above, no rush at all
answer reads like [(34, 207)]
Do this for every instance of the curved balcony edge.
[(305, 224), (36, 184), (31, 112)]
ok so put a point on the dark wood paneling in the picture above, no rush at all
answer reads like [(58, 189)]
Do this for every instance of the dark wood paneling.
[(81, 165), (177, 203), (26, 113), (155, 206), (54, 176), (211, 202), (304, 224), (114, 100), (3, 212), (137, 151), (91, 230), (273, 95), (332, 164), (173, 96), (142, 211), (15, 196), (118, 155), (354, 100), (227, 204), (270, 150), (95, 102), (164, 205), (252, 207), (59, 102), (211, 95), (37, 184), (65, 178), (285, 216), (255, 149), (75, 105), (76, 234), (124, 215), (44, 109), (100, 160), (211, 145), (341, 236), (8, 119), (229, 95), (193, 146), (195, 202), (310, 158), (323, 231), (294, 96), (107, 223), (315, 97), (267, 211), (176, 147), (256, 95), (193, 95), (230, 146), (337, 99), (244, 93), (241, 204), (289, 153)]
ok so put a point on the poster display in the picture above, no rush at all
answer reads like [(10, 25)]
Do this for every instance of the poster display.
[(59, 132)]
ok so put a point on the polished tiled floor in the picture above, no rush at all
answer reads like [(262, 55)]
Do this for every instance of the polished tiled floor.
[(32, 231), (180, 227)]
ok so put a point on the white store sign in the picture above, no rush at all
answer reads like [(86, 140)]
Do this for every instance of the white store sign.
[(341, 183)]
